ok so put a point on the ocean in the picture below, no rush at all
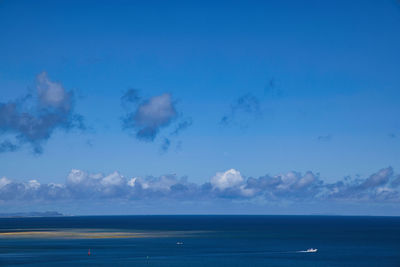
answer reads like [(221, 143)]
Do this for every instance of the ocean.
[(200, 241)]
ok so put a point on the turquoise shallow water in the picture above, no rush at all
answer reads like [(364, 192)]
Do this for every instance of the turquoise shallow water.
[(207, 241)]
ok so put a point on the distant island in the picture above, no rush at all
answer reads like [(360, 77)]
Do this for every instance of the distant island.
[(31, 214)]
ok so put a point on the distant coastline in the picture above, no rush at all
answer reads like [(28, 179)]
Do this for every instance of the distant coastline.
[(31, 214)]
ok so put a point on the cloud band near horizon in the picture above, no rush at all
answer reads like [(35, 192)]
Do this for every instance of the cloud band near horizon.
[(380, 187)]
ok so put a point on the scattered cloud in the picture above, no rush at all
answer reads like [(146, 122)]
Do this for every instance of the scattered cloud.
[(382, 186), (377, 179), (33, 119), (375, 187), (292, 185), (52, 94), (245, 106), (149, 116)]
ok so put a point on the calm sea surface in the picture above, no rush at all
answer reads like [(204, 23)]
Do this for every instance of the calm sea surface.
[(200, 241)]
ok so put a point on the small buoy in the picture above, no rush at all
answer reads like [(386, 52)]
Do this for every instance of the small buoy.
[(88, 252)]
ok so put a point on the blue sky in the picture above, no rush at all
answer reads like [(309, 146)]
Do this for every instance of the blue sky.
[(261, 88)]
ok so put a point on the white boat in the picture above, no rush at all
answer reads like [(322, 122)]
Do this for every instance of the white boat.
[(311, 250), (179, 243)]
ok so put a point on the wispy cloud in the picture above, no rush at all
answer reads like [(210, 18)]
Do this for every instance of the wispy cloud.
[(165, 145), (33, 119), (248, 106), (7, 146), (241, 109), (184, 124), (130, 96)]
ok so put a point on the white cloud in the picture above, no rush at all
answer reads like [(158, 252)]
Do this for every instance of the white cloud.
[(4, 181), (114, 179), (33, 184), (227, 179), (306, 180), (287, 180), (76, 176), (162, 183), (51, 93), (156, 111), (247, 192), (132, 182)]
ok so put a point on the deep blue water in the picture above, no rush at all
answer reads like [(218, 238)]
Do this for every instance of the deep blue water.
[(218, 241)]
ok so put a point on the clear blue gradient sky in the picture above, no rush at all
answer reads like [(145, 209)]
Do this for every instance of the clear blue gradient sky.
[(260, 87)]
